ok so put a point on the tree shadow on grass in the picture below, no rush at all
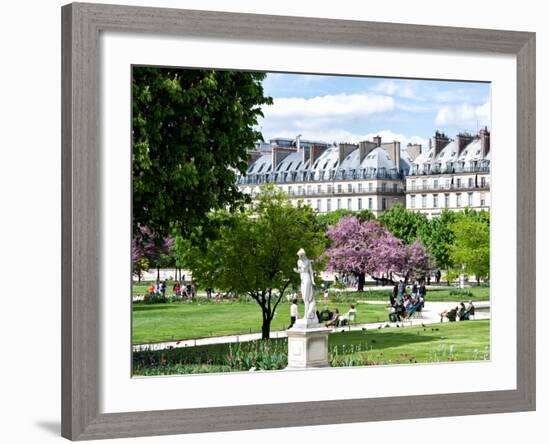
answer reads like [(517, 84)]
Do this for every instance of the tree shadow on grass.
[(151, 307)]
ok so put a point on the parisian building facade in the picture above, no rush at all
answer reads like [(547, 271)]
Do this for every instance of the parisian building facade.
[(375, 175)]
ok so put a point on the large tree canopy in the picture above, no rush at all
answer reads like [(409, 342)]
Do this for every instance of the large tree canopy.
[(438, 236), (405, 224), (470, 251), (256, 249), (369, 248), (191, 133)]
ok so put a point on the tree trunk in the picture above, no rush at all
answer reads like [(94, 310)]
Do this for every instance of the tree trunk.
[(360, 281), (158, 274), (266, 327)]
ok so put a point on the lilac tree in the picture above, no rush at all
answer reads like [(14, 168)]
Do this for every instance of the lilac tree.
[(149, 250), (369, 248), (418, 262)]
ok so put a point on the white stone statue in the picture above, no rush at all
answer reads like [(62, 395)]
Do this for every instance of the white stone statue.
[(306, 276)]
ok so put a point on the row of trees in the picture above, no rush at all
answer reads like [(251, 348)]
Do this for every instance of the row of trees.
[(456, 242), (254, 249), (459, 242)]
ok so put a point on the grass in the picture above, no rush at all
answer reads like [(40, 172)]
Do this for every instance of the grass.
[(452, 341), (433, 295), (448, 342), (440, 294), (189, 320)]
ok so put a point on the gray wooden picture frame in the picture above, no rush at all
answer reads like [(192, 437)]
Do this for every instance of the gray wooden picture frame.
[(81, 171)]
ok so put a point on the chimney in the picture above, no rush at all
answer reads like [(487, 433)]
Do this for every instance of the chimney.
[(485, 136), (377, 140), (343, 150), (441, 141), (316, 151), (394, 151), (298, 142), (464, 139), (397, 155), (365, 148), (414, 150)]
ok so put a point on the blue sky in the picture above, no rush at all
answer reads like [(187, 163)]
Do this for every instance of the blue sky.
[(350, 109)]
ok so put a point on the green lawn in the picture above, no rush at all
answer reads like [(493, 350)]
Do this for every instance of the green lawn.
[(440, 294), (433, 294), (450, 341), (460, 341), (184, 320)]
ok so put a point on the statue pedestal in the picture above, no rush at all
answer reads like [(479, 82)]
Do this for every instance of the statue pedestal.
[(307, 345)]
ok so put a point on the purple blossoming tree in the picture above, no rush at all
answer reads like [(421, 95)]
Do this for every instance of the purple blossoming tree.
[(148, 250), (369, 248)]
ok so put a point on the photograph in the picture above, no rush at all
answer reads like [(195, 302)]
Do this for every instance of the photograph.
[(287, 221)]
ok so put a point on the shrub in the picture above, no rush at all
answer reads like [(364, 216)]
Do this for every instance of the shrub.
[(461, 293)]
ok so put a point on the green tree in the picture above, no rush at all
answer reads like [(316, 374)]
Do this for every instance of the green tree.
[(470, 251), (405, 224), (438, 236), (327, 220), (255, 251), (191, 132)]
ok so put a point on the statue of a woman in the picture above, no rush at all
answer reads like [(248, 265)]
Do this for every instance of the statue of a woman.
[(306, 286)]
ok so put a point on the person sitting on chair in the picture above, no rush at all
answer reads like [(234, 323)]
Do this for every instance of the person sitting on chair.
[(416, 305), (463, 314), (449, 314), (334, 319), (471, 309), (349, 316), (325, 315)]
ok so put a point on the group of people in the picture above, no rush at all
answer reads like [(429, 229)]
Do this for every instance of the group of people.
[(347, 280), (329, 318), (461, 312), (335, 319), (158, 290), (403, 305)]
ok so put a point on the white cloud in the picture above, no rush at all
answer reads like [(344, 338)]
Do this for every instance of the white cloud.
[(331, 118), (340, 105), (467, 116), (393, 88), (460, 95), (334, 134), (390, 136)]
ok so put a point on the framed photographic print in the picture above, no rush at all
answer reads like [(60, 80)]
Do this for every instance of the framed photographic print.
[(278, 221)]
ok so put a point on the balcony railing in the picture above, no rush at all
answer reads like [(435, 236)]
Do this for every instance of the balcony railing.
[(449, 170), (345, 192), (447, 187), (310, 176)]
